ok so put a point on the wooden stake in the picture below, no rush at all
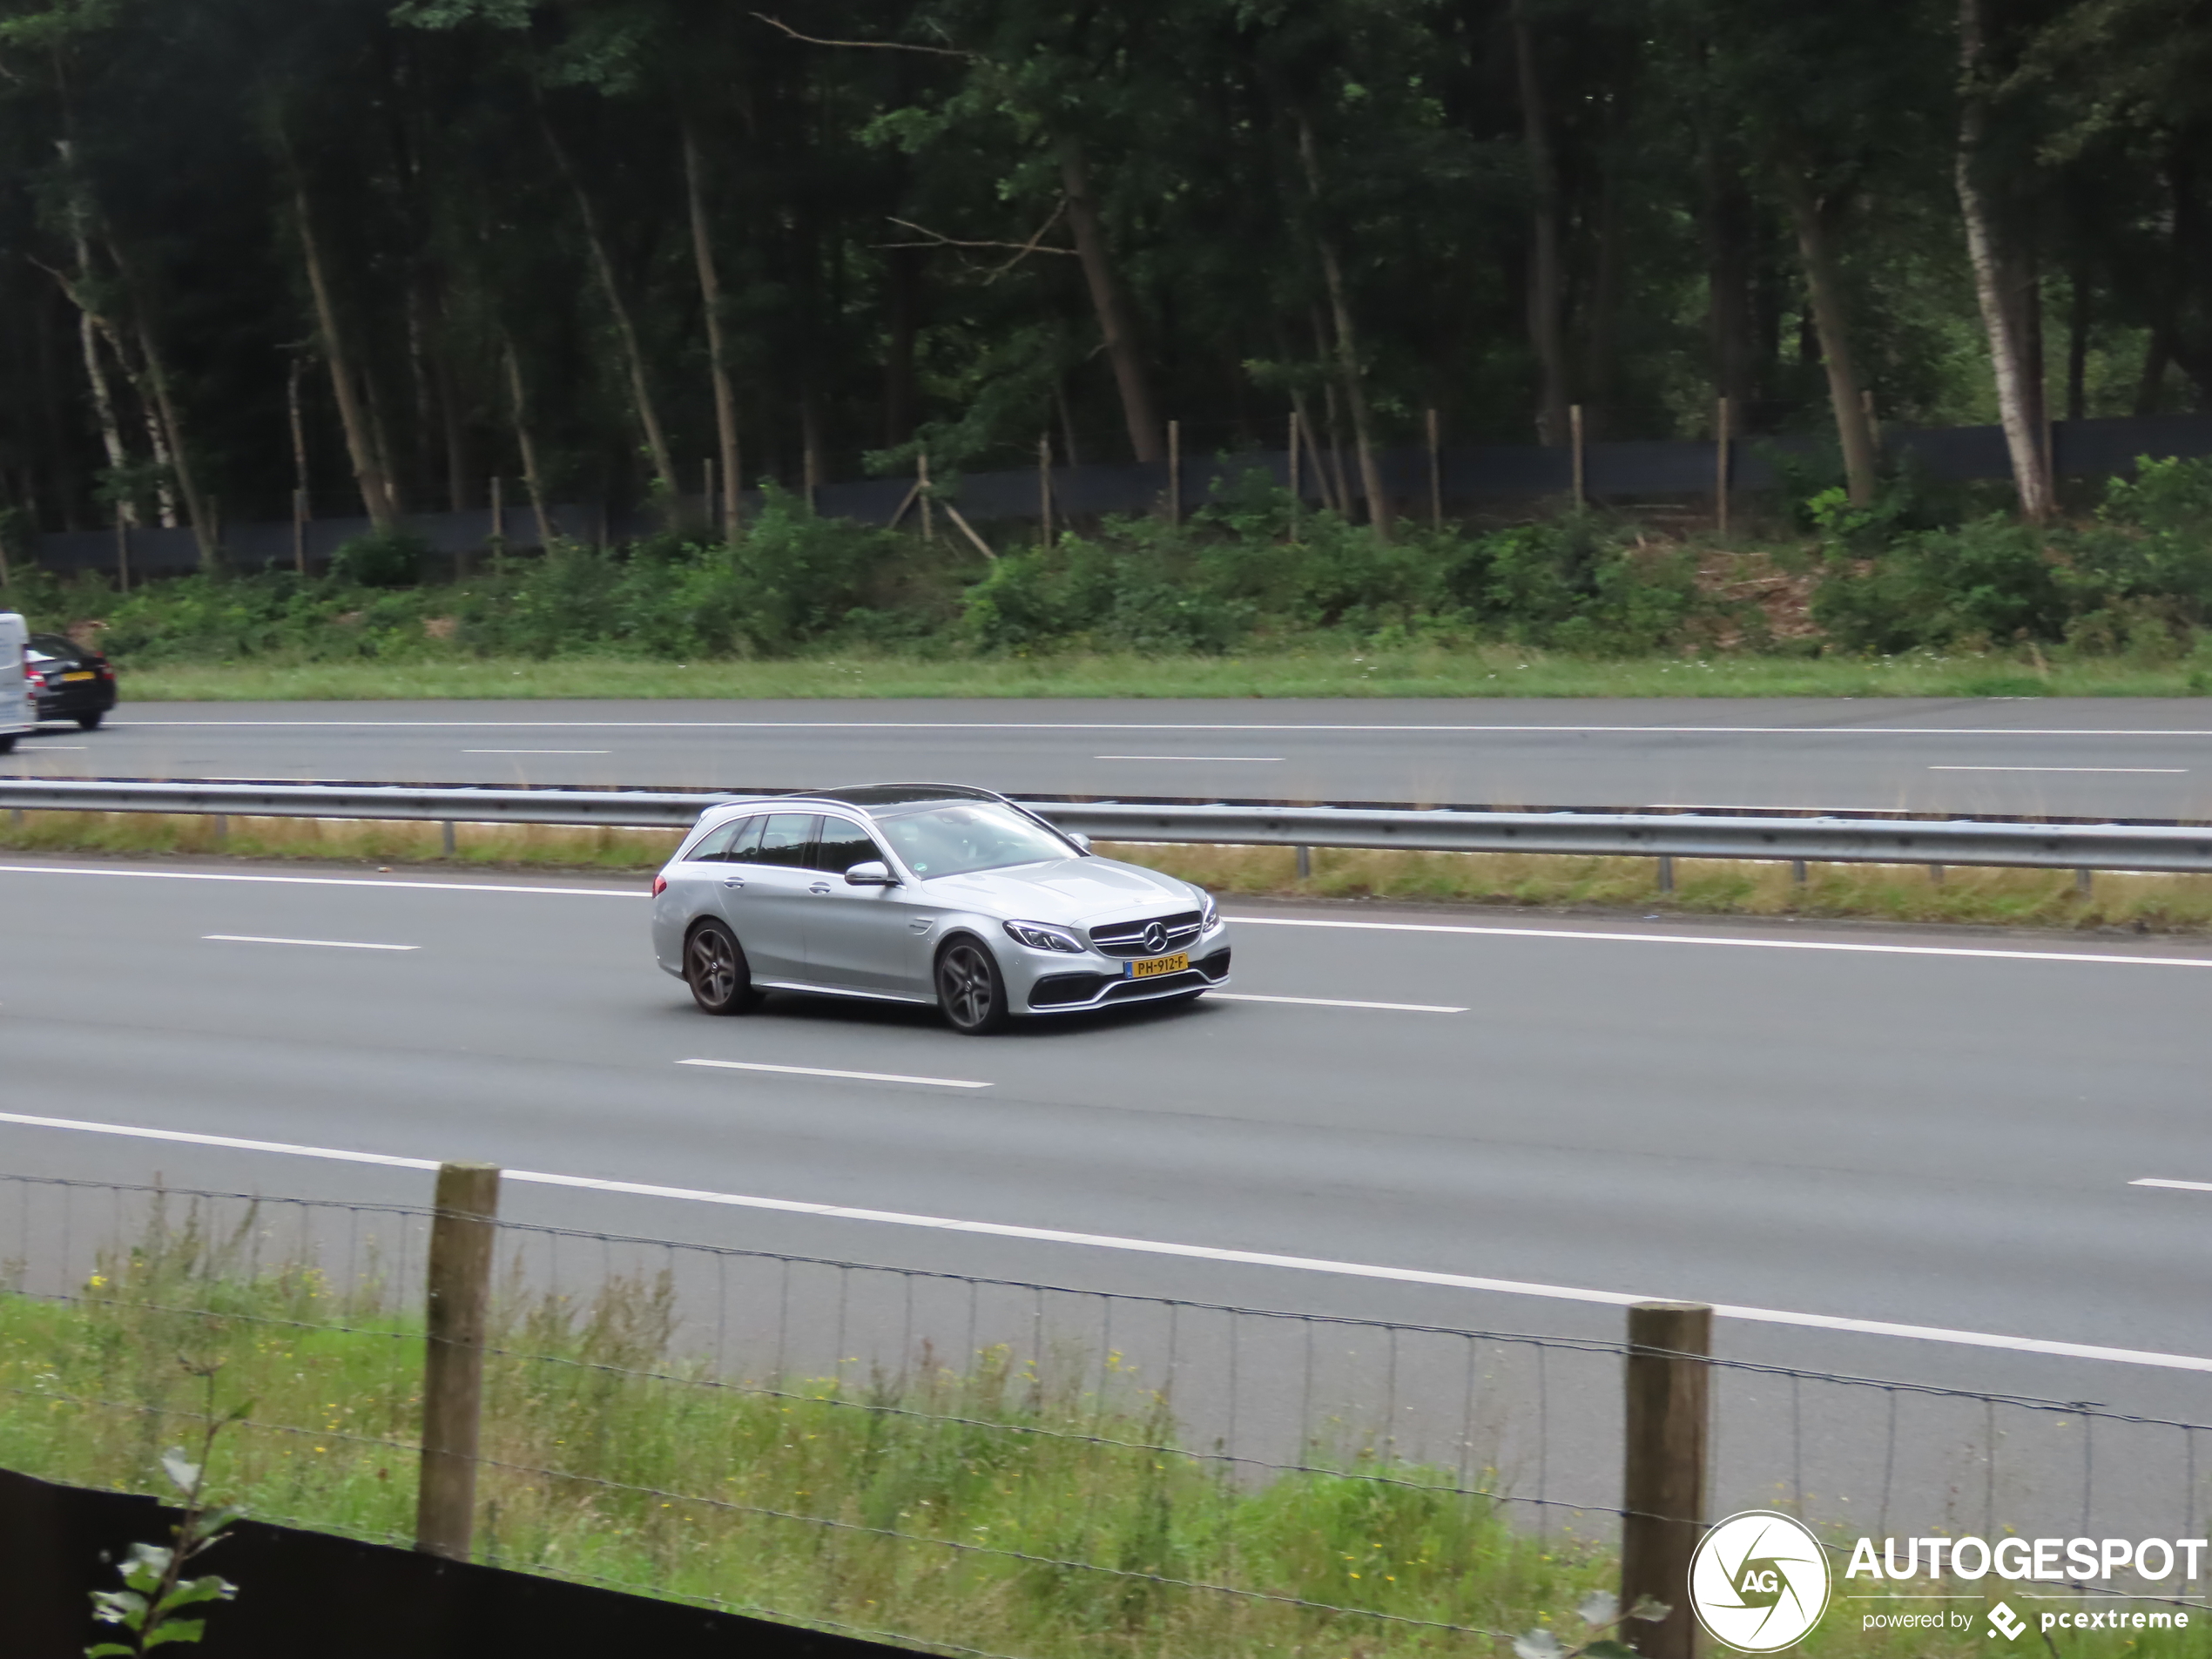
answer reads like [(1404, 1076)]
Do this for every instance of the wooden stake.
[(1574, 430), (960, 521), (461, 1237), (122, 551), (1722, 456), (921, 488), (498, 512), (706, 482), (1296, 501), (1662, 1492), (810, 464), (1175, 472), (1435, 476), (1044, 486), (299, 532)]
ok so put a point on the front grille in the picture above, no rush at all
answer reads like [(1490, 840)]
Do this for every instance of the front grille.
[(1127, 938)]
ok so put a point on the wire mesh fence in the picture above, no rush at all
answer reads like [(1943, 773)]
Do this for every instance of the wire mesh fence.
[(961, 1462)]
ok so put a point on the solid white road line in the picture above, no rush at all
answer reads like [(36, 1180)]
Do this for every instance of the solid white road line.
[(325, 881), (818, 1071), (1198, 726), (326, 944), (2184, 1186), (536, 751), (2162, 771), (1331, 1003), (1746, 944), (1158, 1247), (1266, 757)]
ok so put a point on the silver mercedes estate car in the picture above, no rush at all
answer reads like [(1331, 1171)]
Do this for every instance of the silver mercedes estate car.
[(931, 894)]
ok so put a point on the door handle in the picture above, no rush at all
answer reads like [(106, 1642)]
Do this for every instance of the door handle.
[(820, 888), (734, 881)]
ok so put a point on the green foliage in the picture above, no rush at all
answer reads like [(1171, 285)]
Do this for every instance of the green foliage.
[(154, 1589), (391, 558), (2137, 578)]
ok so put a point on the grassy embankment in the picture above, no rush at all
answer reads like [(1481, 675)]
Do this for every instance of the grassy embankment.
[(1478, 880), (1476, 671), (617, 1458)]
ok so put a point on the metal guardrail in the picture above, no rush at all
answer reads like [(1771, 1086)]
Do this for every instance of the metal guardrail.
[(2175, 848)]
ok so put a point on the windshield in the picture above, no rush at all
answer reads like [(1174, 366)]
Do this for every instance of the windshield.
[(955, 841)]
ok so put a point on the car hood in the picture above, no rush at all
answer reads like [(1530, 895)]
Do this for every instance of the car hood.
[(1078, 890)]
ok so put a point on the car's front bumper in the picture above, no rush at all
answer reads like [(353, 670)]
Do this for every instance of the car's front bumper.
[(1075, 989)]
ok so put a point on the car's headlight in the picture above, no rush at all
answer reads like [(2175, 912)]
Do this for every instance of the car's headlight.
[(1038, 935), (1209, 913)]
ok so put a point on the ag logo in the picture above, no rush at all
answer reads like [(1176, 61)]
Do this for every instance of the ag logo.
[(1758, 1581)]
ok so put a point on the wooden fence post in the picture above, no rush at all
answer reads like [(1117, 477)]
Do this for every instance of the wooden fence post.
[(462, 1236), (1044, 485), (1435, 476), (921, 484), (1296, 499), (1175, 472), (122, 550), (706, 493), (1575, 437), (1722, 456), (1663, 1486)]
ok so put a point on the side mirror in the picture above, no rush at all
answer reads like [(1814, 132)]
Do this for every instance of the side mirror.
[(1080, 839), (872, 872)]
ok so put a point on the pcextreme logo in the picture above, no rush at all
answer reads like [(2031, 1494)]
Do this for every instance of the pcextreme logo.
[(1758, 1581)]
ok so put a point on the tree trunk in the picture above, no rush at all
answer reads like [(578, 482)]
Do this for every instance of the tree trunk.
[(524, 442), (118, 458), (1114, 327), (360, 444), (2000, 282), (1824, 288), (903, 279), (1547, 280), (158, 375), (603, 265), (726, 400), (1349, 368)]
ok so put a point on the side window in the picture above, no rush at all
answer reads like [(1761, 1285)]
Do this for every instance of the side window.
[(784, 838), (842, 845), (722, 841)]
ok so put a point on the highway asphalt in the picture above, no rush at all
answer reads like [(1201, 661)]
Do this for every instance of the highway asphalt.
[(2085, 757), (1934, 1129)]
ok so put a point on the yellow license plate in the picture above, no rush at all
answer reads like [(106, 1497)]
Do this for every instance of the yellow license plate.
[(1158, 964), (77, 676)]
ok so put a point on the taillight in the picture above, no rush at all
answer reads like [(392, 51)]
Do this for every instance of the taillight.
[(106, 673), (660, 885)]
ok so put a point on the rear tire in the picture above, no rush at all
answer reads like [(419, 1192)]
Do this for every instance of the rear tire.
[(92, 722), (8, 743), (971, 992), (715, 968)]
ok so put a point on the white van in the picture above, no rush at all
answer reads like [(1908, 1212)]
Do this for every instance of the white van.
[(18, 713)]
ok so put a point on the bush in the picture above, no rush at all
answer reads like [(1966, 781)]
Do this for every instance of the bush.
[(390, 559)]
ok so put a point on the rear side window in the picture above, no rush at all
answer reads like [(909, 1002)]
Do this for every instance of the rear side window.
[(842, 845), (784, 838), (722, 841)]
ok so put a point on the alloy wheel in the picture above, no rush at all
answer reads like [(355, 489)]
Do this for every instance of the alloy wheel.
[(968, 988)]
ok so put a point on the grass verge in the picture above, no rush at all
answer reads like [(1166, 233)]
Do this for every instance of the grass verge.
[(980, 1504), (1381, 671), (1702, 886)]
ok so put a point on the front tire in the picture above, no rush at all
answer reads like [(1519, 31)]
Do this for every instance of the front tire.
[(970, 989), (92, 722), (715, 968), (8, 743)]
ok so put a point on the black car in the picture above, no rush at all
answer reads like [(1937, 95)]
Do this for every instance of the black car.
[(71, 682)]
